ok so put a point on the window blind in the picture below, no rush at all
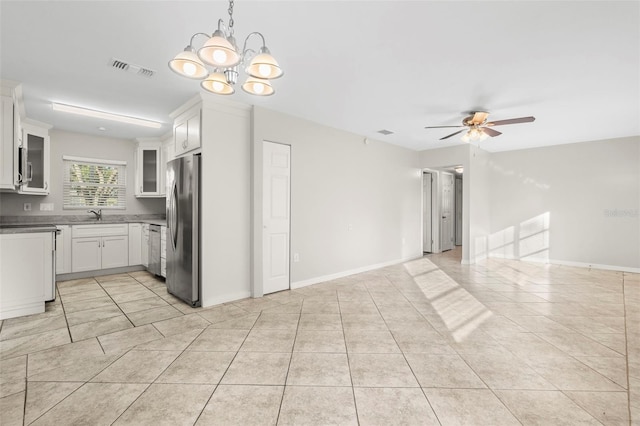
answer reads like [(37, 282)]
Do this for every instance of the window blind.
[(93, 183)]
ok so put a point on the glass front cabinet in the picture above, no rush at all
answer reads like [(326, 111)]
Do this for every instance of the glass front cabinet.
[(149, 169), (33, 158)]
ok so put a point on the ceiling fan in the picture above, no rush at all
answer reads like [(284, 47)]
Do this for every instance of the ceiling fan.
[(479, 128)]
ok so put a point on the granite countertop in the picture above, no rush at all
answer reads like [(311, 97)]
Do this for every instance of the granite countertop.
[(24, 229), (37, 221)]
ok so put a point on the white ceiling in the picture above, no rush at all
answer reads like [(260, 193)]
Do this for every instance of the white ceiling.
[(360, 66)]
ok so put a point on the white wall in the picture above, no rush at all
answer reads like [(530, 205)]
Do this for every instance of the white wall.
[(225, 202), (574, 204), (479, 206), (338, 181), (80, 145)]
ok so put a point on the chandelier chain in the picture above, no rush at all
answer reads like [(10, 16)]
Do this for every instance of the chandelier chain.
[(231, 2)]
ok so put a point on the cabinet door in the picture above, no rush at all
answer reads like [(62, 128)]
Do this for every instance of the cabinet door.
[(145, 246), (86, 254), (7, 150), (115, 251), (36, 141), (63, 250), (26, 273), (148, 171), (193, 132), (135, 244), (180, 137)]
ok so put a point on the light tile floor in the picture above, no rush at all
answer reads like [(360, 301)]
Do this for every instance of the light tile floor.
[(426, 342)]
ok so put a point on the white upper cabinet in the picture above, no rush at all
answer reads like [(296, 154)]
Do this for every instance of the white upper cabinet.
[(34, 158), (186, 130), (7, 148), (10, 134), (150, 169)]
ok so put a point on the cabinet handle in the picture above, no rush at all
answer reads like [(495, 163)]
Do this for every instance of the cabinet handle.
[(98, 243), (141, 190), (46, 186)]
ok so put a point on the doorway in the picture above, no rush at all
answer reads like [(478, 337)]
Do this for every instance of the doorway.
[(458, 227), (427, 212), (276, 208), (447, 210)]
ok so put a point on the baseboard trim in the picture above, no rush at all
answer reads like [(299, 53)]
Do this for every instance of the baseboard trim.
[(225, 299), (572, 263), (98, 273), (323, 278)]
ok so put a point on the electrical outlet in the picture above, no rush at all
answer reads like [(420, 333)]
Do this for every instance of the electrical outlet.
[(350, 227), (296, 257), (27, 207)]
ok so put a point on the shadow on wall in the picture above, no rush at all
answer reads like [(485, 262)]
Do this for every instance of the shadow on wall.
[(528, 240), (454, 307)]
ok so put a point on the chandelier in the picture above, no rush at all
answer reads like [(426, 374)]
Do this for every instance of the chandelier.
[(218, 60)]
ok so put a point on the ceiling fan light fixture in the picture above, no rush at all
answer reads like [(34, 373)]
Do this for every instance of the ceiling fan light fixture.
[(465, 138), (188, 64)]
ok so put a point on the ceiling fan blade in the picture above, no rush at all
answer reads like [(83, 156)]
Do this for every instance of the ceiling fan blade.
[(443, 127), (452, 134), (479, 117), (489, 131), (511, 121)]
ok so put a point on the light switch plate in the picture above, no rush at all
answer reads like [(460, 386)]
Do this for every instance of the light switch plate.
[(27, 207)]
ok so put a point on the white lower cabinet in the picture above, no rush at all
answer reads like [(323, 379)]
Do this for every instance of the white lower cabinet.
[(26, 273), (63, 249), (115, 251), (135, 244), (96, 247), (87, 254), (145, 245)]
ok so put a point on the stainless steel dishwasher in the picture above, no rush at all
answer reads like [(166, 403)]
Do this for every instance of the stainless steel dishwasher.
[(154, 249)]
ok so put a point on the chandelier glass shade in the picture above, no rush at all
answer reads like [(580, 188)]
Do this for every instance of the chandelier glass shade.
[(217, 61)]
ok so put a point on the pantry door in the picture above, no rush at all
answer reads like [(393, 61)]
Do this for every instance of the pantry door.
[(276, 206)]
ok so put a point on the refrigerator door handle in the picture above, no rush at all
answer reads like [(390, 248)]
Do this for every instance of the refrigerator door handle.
[(173, 211)]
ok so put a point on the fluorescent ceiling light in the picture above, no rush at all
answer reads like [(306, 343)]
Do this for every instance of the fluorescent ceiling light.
[(105, 115)]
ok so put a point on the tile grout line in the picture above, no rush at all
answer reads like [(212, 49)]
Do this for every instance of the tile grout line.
[(626, 347), (286, 377), (346, 349)]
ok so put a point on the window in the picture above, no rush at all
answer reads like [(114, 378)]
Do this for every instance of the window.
[(92, 183)]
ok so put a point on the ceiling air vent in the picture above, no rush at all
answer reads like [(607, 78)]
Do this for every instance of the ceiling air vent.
[(132, 68), (385, 132)]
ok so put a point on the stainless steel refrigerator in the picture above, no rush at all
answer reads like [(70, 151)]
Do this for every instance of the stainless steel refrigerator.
[(183, 229)]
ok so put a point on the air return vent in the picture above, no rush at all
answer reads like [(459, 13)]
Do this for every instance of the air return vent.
[(132, 68), (385, 132)]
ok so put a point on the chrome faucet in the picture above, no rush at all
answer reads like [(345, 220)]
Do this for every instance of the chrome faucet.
[(97, 213)]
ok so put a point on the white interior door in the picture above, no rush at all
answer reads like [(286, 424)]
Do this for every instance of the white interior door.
[(447, 210), (458, 211), (276, 196), (427, 233)]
